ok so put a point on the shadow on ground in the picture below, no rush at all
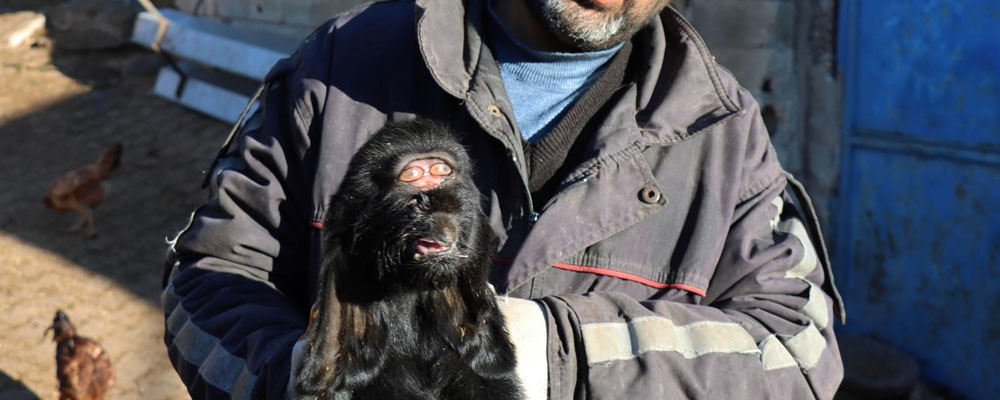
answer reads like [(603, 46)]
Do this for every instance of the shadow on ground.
[(150, 196), (58, 111), (12, 389)]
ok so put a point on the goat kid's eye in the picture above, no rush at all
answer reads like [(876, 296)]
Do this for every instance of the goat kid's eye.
[(440, 169), (411, 174)]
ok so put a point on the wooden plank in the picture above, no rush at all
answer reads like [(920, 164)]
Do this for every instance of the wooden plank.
[(242, 52), (217, 95)]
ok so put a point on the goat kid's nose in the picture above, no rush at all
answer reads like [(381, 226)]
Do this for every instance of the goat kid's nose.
[(445, 228)]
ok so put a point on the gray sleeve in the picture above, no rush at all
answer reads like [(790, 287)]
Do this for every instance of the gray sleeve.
[(766, 333), (232, 299), (764, 330)]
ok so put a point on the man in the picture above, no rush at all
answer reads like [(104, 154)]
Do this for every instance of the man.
[(638, 200)]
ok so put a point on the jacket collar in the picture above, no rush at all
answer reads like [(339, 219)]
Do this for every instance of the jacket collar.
[(678, 92), (449, 42)]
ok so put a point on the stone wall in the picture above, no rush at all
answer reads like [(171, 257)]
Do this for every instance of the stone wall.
[(783, 51)]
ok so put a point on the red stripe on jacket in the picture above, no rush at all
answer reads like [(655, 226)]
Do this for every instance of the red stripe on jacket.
[(620, 275), (630, 277)]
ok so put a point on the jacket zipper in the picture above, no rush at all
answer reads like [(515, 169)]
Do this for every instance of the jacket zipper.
[(532, 215)]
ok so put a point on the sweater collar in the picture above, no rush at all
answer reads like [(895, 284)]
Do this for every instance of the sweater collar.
[(539, 66), (675, 97)]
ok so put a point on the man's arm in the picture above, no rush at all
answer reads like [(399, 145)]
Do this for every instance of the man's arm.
[(764, 331), (230, 323)]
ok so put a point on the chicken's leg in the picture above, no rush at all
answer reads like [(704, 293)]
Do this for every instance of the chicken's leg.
[(86, 220), (78, 225), (91, 230)]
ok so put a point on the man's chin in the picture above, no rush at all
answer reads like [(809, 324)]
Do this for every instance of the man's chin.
[(588, 25), (581, 24)]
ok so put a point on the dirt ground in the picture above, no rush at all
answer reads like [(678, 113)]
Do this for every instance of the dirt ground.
[(58, 111)]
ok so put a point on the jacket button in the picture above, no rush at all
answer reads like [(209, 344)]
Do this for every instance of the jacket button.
[(649, 195), (494, 110)]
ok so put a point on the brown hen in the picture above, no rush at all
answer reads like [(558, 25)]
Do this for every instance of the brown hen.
[(82, 189), (83, 368)]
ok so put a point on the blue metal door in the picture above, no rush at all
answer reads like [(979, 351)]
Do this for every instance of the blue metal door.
[(919, 217)]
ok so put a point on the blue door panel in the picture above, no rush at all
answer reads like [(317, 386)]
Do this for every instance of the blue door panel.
[(930, 69), (925, 266), (918, 220)]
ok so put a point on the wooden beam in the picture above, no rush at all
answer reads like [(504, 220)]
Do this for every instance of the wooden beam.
[(242, 52), (217, 95)]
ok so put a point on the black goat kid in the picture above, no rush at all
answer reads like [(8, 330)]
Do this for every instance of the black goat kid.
[(404, 310)]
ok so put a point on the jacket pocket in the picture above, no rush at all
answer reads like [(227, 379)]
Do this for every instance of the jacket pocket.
[(638, 267)]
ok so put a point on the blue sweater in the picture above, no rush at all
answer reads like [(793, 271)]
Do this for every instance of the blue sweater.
[(542, 85)]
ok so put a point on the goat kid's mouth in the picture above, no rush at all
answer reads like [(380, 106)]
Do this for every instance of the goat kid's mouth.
[(428, 247)]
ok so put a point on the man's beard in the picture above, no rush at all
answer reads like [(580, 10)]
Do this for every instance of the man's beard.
[(591, 29)]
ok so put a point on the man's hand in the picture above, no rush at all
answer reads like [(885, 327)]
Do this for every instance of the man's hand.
[(296, 359), (525, 321), (310, 371)]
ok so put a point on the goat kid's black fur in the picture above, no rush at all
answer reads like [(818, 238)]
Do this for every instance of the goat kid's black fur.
[(387, 325)]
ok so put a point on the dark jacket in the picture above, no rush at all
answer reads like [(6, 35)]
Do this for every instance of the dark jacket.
[(671, 261)]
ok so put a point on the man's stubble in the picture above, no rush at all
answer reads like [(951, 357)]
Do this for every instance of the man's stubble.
[(587, 27)]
